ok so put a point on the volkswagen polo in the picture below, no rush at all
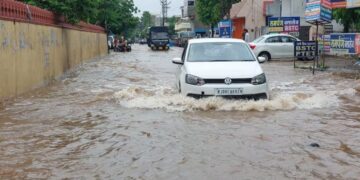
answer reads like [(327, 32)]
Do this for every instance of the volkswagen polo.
[(220, 67)]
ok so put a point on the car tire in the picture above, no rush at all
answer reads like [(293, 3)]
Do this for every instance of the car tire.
[(266, 55)]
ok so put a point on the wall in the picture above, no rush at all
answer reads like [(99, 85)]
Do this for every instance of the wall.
[(252, 12), (33, 55)]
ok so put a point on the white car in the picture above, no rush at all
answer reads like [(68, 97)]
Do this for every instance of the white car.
[(220, 67), (274, 46)]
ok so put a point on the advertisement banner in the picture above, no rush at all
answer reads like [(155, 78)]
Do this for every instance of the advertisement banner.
[(343, 43), (352, 3), (284, 24), (357, 43), (338, 3), (225, 29), (345, 3), (318, 11)]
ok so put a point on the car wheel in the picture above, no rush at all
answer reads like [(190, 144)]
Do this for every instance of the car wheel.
[(265, 55)]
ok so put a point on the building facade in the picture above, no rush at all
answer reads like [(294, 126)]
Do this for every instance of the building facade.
[(253, 15), (189, 20)]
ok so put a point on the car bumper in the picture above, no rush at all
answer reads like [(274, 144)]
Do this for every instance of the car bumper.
[(249, 90)]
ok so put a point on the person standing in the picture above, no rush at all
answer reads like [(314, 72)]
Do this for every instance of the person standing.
[(246, 36)]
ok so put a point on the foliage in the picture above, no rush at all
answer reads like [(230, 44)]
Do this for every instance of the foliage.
[(116, 15), (210, 12), (172, 21), (348, 17)]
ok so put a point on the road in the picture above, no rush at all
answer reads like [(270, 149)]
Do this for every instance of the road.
[(120, 117)]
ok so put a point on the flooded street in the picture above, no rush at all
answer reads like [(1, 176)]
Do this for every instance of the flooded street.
[(120, 117)]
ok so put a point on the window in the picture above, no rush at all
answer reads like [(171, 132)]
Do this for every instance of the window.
[(286, 39), (191, 3), (219, 51), (275, 39)]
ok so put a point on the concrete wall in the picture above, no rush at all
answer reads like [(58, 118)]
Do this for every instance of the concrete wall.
[(33, 55)]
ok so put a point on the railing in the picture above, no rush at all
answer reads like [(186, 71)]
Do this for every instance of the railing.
[(21, 12)]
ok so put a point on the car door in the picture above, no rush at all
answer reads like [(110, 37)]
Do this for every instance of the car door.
[(287, 44), (273, 46)]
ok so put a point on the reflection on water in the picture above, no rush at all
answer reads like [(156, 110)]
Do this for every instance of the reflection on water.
[(120, 117)]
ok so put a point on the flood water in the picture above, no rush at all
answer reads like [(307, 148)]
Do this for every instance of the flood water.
[(120, 117)]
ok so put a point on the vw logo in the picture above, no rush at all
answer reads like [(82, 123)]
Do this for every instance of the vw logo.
[(228, 81)]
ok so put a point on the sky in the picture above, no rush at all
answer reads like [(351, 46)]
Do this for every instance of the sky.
[(154, 7)]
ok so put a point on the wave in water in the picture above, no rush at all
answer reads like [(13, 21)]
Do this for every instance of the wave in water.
[(168, 99)]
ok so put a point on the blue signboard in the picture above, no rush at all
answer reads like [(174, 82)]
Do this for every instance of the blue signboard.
[(343, 43), (303, 49), (225, 29)]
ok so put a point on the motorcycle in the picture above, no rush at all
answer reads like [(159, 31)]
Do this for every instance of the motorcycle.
[(126, 47)]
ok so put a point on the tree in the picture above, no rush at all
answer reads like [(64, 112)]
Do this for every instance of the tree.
[(72, 10), (210, 12), (226, 5), (172, 21), (348, 17), (115, 15)]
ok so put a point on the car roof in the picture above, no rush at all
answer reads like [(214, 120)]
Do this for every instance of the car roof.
[(278, 34), (208, 40)]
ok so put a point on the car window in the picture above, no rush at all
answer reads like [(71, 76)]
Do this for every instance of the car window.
[(292, 39), (273, 40), (219, 51), (286, 39)]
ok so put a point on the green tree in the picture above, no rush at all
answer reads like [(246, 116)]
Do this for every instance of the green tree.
[(115, 15), (72, 10), (349, 18), (210, 12), (145, 22), (172, 21)]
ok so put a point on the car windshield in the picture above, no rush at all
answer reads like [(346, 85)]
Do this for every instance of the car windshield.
[(222, 51), (159, 35)]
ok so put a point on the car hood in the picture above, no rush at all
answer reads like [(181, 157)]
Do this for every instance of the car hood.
[(220, 70)]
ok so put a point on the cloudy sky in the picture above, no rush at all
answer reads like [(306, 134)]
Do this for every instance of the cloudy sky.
[(155, 8)]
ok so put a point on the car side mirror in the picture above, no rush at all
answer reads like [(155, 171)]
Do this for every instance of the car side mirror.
[(178, 61), (261, 59)]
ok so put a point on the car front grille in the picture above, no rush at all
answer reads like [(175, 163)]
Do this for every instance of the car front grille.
[(222, 81)]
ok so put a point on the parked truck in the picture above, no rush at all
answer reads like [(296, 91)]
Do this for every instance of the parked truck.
[(158, 38)]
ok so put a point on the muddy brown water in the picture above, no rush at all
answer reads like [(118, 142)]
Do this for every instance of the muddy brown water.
[(120, 117)]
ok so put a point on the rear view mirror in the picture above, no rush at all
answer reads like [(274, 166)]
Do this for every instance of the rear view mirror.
[(261, 59), (178, 61)]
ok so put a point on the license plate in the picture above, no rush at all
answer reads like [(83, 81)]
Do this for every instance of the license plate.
[(228, 92)]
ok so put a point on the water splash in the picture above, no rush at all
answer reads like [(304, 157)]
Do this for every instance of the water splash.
[(168, 99)]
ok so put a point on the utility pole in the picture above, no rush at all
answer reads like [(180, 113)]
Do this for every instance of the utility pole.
[(164, 6)]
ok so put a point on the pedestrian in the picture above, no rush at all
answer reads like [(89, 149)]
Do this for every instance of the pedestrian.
[(246, 36)]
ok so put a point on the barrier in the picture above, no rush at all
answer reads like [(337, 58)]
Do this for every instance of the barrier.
[(17, 11)]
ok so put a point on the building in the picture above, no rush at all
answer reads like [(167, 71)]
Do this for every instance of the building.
[(254, 14), (249, 14), (189, 21)]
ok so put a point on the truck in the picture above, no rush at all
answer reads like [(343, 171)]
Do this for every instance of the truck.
[(158, 38)]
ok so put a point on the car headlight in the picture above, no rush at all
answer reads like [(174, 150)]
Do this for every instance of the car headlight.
[(194, 80), (260, 79)]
